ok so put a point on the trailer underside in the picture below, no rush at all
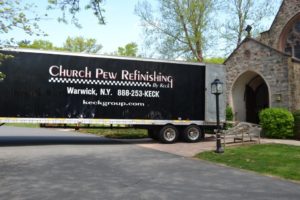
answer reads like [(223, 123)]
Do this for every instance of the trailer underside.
[(166, 131)]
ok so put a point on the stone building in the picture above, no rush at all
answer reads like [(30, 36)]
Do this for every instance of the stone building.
[(265, 72)]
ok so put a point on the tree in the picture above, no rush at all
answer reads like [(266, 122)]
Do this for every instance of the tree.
[(76, 44), (73, 7), (80, 44), (129, 49), (214, 60), (2, 58), (178, 28), (38, 44), (240, 13), (12, 15)]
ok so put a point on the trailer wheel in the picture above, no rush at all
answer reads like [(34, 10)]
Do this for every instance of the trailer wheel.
[(168, 134), (192, 133)]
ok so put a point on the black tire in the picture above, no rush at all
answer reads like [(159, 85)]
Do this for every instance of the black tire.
[(168, 134), (192, 133)]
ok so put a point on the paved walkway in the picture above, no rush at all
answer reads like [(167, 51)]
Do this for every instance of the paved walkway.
[(191, 149), (277, 141)]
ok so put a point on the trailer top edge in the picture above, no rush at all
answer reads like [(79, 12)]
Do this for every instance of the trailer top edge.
[(100, 56)]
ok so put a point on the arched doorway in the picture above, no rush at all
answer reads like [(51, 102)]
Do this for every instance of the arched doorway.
[(250, 94)]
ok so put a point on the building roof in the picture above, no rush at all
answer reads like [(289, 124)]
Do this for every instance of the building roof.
[(280, 8), (248, 39)]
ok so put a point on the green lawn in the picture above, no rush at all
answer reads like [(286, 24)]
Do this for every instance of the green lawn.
[(270, 159), (110, 133), (118, 133), (28, 125)]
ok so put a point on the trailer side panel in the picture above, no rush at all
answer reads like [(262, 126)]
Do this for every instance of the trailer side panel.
[(45, 85)]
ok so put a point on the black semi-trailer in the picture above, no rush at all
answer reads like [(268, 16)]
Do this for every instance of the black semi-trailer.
[(168, 98)]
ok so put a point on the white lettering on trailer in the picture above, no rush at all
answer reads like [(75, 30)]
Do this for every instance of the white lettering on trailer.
[(153, 94), (101, 74), (113, 103), (61, 72), (138, 93), (86, 91), (104, 92)]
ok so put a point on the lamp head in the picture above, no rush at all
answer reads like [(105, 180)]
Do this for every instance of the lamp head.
[(216, 87)]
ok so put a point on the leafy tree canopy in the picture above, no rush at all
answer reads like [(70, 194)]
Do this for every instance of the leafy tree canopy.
[(76, 44), (2, 58), (81, 44), (38, 44), (177, 28), (129, 49), (216, 60), (12, 15), (237, 14), (74, 7)]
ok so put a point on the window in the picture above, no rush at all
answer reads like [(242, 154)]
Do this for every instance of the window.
[(297, 27), (292, 45)]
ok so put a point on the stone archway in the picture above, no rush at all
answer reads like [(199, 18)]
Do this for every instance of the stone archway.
[(249, 95), (289, 39)]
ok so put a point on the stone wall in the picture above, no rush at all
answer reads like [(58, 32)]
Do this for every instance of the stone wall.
[(287, 11), (267, 62), (294, 84)]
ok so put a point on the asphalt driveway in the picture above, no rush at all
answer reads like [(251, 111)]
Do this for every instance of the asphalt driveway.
[(48, 164)]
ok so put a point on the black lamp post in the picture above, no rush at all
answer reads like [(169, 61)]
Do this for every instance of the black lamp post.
[(217, 89)]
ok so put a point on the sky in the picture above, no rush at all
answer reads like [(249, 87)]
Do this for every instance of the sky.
[(121, 28)]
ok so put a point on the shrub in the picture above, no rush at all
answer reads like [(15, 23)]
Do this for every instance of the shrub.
[(277, 123), (229, 113), (296, 115), (229, 116)]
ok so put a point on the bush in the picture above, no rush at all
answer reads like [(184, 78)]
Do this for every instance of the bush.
[(229, 113), (277, 123), (229, 116), (296, 115)]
